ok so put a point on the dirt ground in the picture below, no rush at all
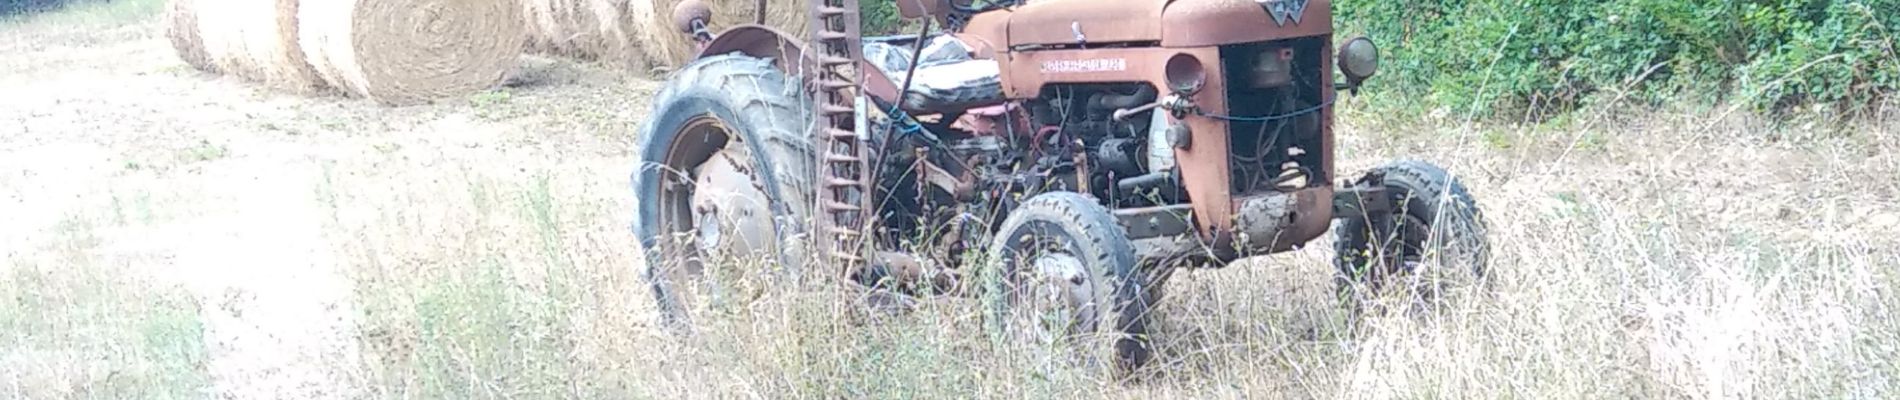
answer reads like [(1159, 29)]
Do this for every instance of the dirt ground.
[(254, 202), (174, 234)]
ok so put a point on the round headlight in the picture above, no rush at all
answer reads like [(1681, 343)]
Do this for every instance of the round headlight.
[(1359, 59), (1185, 74)]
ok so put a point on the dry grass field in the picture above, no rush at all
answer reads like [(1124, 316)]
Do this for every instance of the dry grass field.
[(170, 234)]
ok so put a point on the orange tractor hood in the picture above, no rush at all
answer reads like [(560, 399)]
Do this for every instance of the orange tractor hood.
[(1172, 23)]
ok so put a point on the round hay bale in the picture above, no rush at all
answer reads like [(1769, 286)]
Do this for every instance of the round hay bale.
[(676, 48), (403, 52), (257, 40), (561, 27), (622, 31), (600, 30), (182, 29)]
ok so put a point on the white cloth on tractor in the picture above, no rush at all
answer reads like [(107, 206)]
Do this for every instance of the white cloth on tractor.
[(894, 60), (946, 78)]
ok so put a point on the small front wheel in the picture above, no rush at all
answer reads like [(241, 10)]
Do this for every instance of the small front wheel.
[(1433, 238), (1067, 275)]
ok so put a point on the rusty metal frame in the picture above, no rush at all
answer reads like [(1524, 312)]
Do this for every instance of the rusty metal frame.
[(1158, 221), (844, 181)]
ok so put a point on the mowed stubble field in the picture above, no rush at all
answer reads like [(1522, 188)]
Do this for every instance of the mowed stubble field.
[(172, 234)]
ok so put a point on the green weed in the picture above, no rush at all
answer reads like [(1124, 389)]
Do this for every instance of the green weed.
[(78, 326)]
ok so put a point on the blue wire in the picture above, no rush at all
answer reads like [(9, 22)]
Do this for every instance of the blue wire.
[(907, 124), (1296, 113)]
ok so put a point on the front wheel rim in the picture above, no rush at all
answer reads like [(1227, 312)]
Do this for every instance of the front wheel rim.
[(1051, 296)]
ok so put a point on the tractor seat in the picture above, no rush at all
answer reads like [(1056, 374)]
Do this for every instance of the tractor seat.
[(947, 79)]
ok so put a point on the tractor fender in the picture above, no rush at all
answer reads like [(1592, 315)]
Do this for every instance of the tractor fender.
[(788, 54), (785, 51)]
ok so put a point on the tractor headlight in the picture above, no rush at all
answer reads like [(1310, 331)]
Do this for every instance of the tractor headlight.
[(1185, 74), (1358, 59)]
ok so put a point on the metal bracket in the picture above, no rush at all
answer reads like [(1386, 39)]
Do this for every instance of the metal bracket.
[(1154, 222), (702, 34), (1365, 197), (1368, 199)]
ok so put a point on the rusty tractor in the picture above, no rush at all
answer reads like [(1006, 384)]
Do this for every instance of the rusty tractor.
[(1086, 149)]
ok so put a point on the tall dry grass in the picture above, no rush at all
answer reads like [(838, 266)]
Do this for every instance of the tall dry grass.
[(80, 322), (1668, 258)]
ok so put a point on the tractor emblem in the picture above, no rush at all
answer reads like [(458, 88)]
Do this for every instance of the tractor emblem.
[(1285, 10)]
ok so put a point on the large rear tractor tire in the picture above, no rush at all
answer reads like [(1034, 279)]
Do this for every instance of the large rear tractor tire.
[(1436, 241), (1067, 277), (724, 176)]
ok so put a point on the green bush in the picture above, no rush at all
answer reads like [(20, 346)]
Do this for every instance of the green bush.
[(879, 17), (1550, 56), (11, 7)]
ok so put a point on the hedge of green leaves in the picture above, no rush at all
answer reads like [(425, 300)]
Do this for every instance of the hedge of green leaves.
[(11, 7), (1500, 56)]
